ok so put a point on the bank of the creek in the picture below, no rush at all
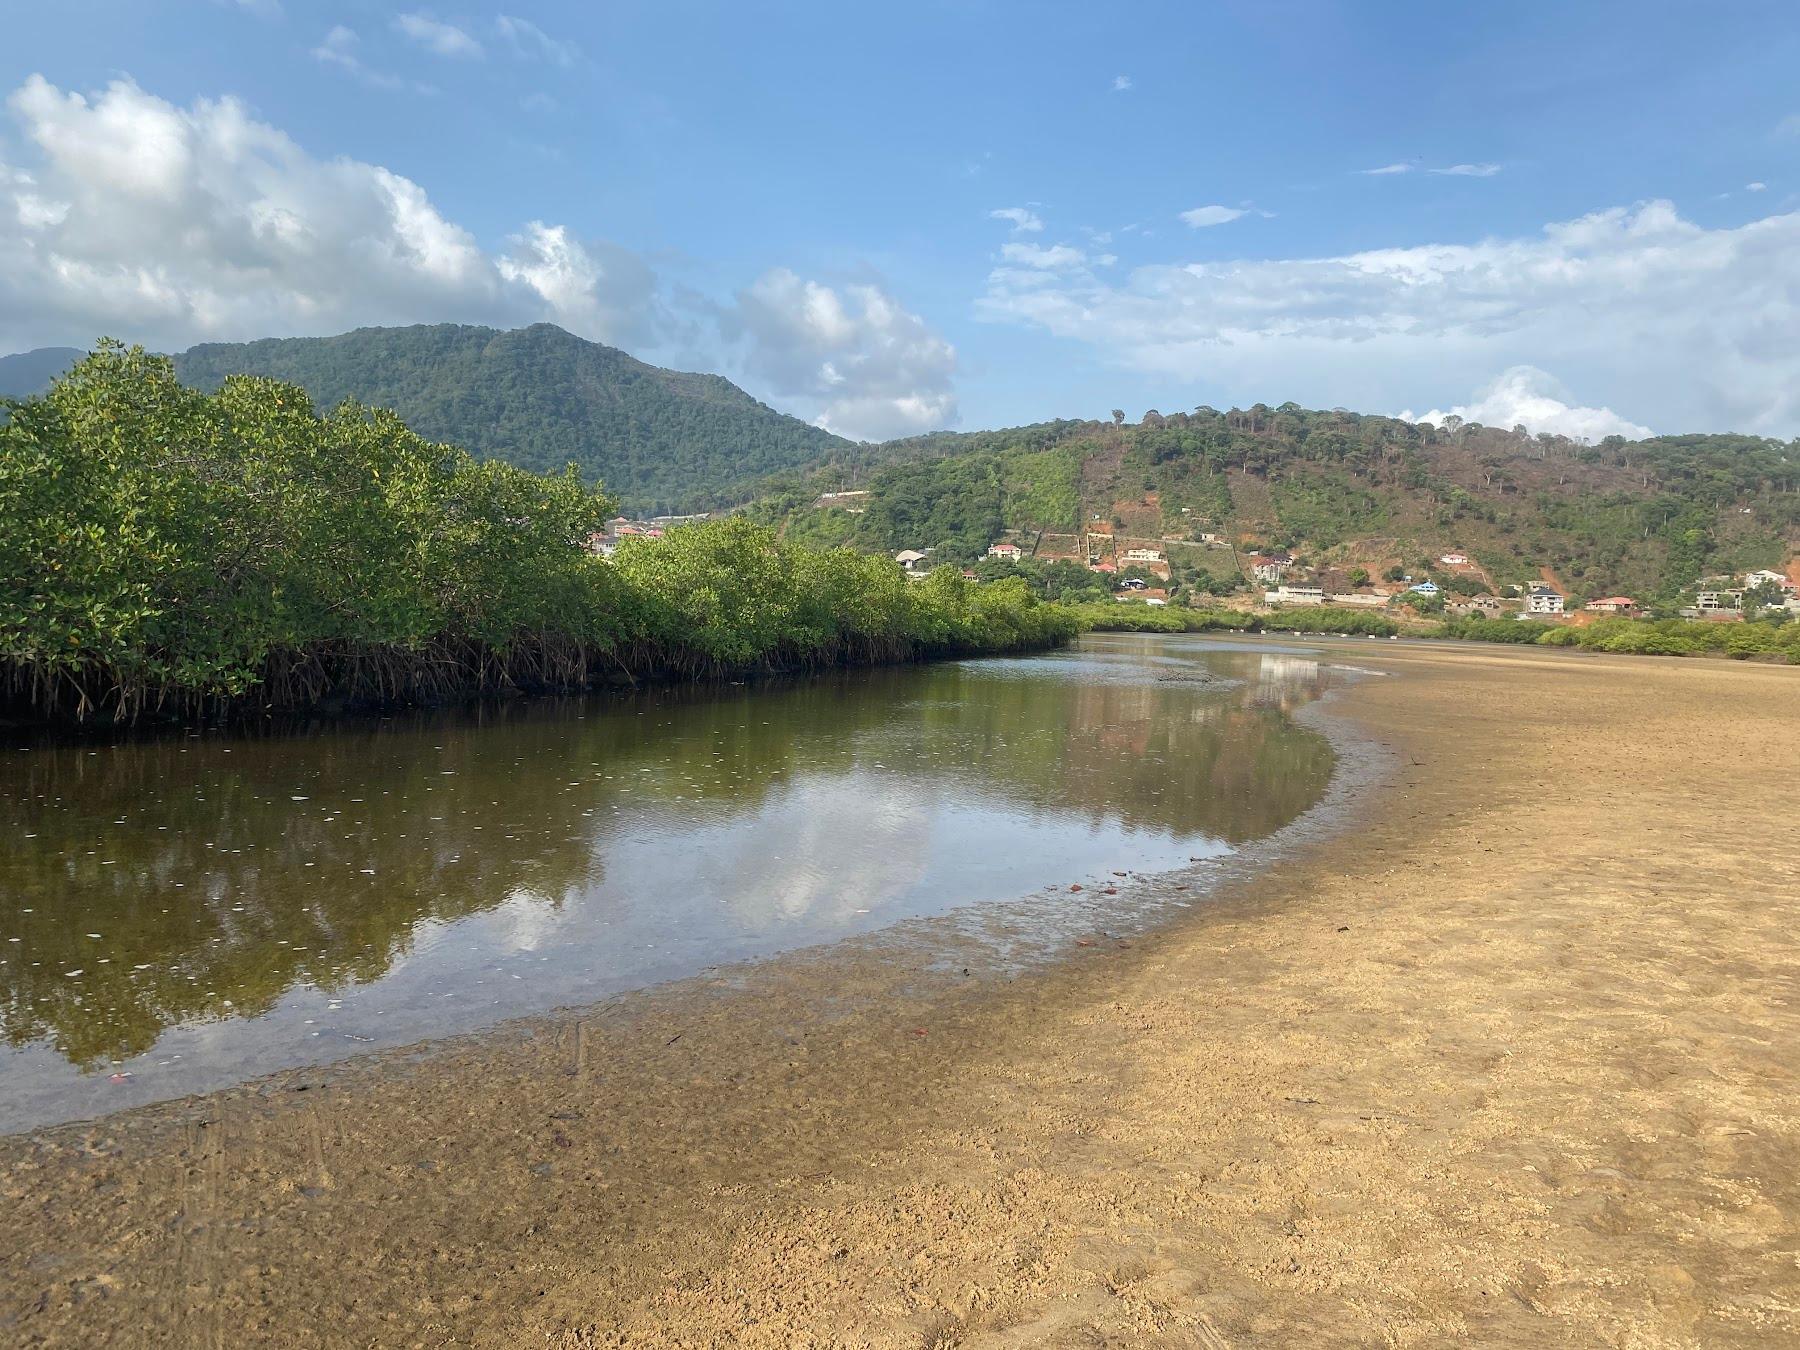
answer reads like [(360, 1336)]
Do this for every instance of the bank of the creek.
[(181, 913)]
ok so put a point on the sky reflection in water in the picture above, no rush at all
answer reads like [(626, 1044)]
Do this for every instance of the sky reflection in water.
[(193, 911)]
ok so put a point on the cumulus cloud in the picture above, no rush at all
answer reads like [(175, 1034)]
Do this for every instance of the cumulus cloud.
[(1023, 219), (531, 43), (1683, 326), (1756, 187), (868, 368), (1121, 83), (1469, 170), (437, 37), (1526, 396), (171, 225), (1202, 216)]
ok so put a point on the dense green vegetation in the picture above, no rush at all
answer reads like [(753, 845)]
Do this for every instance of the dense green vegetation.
[(541, 398), (1681, 637), (1357, 493), (1351, 622), (1775, 639), (1520, 631), (167, 549), (1112, 617)]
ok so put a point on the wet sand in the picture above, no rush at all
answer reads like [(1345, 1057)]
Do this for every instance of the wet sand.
[(1512, 1059)]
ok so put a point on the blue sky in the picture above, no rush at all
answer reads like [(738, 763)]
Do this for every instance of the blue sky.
[(1588, 222)]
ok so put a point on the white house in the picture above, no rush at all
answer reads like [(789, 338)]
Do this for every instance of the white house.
[(1754, 579), (910, 560), (1543, 600), (1295, 595), (1143, 555), (1010, 552), (1426, 587), (1455, 560)]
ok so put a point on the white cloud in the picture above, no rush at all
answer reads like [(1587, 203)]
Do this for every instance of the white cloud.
[(437, 37), (171, 225), (868, 368), (1023, 220), (1202, 216), (531, 43), (1532, 398), (1756, 187), (1387, 169), (1034, 255), (1687, 328), (1121, 83), (339, 48), (1469, 170)]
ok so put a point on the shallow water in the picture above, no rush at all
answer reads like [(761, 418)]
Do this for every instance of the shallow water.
[(184, 913)]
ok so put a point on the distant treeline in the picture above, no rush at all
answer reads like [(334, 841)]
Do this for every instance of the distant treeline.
[(166, 551), (1765, 640), (1134, 618)]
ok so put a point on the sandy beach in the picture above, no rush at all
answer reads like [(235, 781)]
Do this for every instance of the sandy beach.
[(1511, 1058)]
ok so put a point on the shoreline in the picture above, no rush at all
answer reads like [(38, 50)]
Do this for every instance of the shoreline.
[(1026, 930), (1351, 1097)]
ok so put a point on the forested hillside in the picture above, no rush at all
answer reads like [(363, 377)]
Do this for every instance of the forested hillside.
[(30, 372), (1642, 518), (1645, 518), (540, 398)]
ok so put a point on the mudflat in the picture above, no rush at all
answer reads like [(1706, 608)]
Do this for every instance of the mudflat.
[(1510, 1059)]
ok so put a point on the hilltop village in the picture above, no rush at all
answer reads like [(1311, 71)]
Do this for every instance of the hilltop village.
[(1207, 569)]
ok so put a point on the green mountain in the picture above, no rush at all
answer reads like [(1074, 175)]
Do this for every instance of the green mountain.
[(541, 397), (1343, 491), (30, 372)]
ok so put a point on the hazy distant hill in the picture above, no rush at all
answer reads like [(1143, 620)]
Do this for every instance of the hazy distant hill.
[(541, 397), (31, 372)]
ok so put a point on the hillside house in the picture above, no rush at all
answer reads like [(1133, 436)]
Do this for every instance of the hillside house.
[(853, 502), (1143, 555), (1426, 587), (1716, 602), (1010, 552), (1295, 595), (910, 560), (1765, 577), (1268, 568), (1455, 560), (1478, 607), (1612, 604), (1543, 600)]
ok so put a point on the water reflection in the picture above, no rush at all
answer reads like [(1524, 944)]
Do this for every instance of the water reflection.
[(239, 903)]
